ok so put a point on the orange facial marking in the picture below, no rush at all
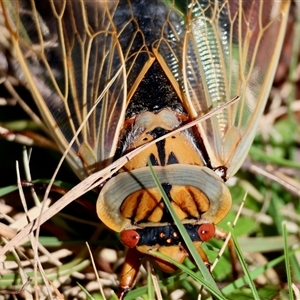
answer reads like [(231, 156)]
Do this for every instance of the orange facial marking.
[(179, 212), (157, 213), (190, 200), (141, 160), (182, 197), (180, 145), (183, 149), (162, 235), (175, 252), (142, 204)]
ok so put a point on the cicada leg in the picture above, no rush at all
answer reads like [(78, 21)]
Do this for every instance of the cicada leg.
[(61, 191), (203, 256), (27, 138), (129, 271), (222, 235)]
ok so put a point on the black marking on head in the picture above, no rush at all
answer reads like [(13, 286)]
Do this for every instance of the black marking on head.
[(166, 235), (172, 159), (158, 132), (153, 160), (161, 150)]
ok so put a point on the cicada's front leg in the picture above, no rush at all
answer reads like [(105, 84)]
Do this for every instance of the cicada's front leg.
[(222, 235), (27, 138), (129, 271)]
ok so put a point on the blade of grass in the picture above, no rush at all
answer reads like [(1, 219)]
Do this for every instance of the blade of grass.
[(255, 273), (78, 264), (205, 273), (295, 267), (264, 157), (88, 295), (138, 292), (266, 244), (196, 276), (150, 283), (287, 261), (239, 283), (244, 265)]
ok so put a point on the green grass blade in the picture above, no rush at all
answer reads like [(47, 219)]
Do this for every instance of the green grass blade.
[(255, 273), (267, 158), (244, 266), (205, 273), (287, 261), (150, 285), (195, 275)]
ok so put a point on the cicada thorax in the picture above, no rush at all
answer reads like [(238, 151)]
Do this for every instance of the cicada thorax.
[(132, 204)]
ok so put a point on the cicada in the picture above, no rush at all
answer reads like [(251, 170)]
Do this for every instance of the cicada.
[(117, 75)]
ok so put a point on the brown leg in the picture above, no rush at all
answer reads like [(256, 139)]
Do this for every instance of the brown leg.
[(222, 235), (129, 271), (60, 191), (202, 254), (28, 138)]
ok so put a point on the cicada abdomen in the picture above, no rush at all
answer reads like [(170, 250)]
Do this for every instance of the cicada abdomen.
[(120, 74)]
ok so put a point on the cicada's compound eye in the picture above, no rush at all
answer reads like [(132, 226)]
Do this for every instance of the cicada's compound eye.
[(206, 232), (129, 238)]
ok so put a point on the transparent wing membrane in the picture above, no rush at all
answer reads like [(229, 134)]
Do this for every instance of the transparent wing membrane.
[(74, 62), (85, 57), (226, 49)]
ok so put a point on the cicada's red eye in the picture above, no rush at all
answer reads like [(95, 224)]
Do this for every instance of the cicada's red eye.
[(206, 232), (129, 238)]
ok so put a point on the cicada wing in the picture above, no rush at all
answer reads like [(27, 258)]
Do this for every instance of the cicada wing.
[(74, 65), (77, 62), (225, 49)]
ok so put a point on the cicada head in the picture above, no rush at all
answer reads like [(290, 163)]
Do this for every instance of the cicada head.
[(131, 203)]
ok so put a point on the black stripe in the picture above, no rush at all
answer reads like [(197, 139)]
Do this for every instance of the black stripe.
[(153, 160), (161, 152), (172, 159)]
